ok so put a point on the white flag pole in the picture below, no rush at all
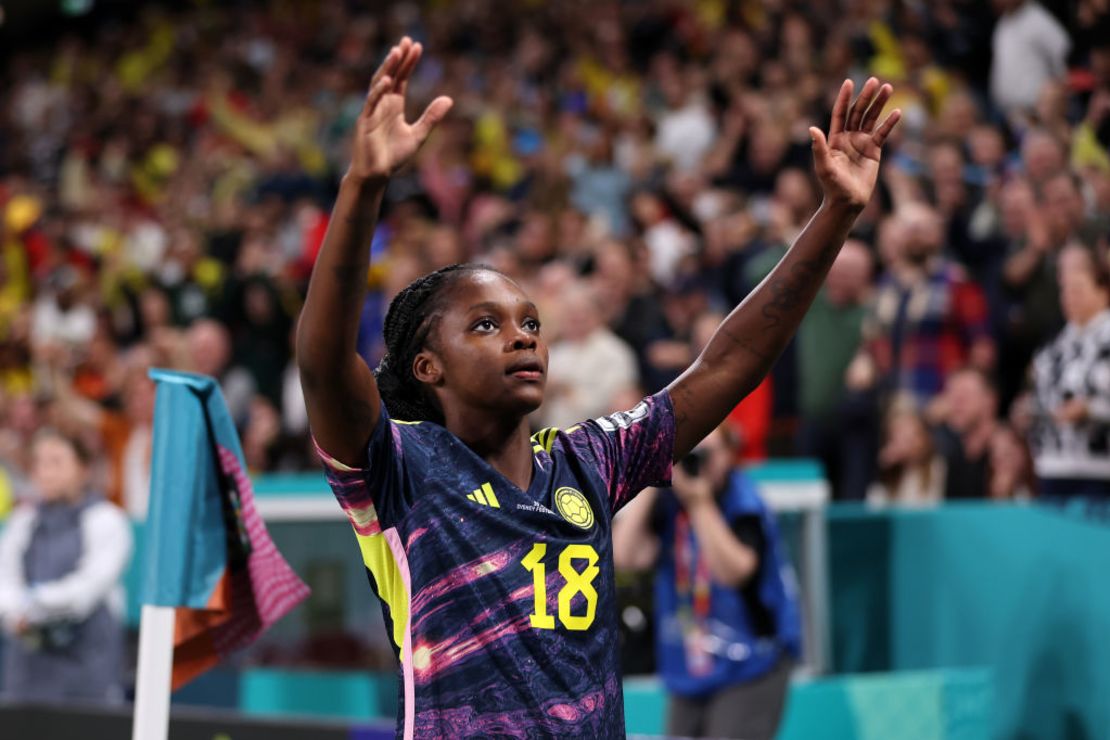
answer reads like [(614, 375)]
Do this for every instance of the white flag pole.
[(154, 674)]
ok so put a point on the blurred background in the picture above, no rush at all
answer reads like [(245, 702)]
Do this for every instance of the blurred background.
[(936, 439)]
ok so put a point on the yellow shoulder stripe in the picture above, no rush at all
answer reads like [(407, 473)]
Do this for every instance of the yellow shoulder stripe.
[(544, 439)]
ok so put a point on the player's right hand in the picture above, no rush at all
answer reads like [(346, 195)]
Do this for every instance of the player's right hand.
[(384, 141)]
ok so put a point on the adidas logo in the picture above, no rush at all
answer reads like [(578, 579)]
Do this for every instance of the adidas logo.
[(484, 496)]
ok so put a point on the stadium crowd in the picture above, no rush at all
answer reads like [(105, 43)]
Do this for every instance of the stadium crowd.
[(638, 167)]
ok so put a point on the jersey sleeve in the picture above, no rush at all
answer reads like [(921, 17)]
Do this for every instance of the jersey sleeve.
[(375, 492), (630, 449)]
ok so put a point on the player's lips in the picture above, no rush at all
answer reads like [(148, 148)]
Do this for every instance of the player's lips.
[(526, 369)]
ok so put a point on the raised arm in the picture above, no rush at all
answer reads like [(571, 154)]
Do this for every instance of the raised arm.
[(339, 389), (751, 338)]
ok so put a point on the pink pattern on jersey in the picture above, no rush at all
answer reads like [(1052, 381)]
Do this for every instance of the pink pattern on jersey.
[(414, 535), (353, 495), (402, 561), (462, 575), (464, 721), (431, 659)]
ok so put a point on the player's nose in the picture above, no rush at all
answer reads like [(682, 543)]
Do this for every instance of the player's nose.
[(522, 339)]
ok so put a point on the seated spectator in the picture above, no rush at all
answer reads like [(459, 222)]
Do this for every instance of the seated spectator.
[(1011, 466), (1071, 374), (61, 559), (966, 417), (911, 472)]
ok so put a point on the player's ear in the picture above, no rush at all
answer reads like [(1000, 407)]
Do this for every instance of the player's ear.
[(427, 368)]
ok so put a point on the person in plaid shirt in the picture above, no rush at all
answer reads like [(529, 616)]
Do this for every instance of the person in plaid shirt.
[(928, 318)]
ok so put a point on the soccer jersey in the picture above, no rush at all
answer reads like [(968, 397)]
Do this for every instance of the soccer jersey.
[(501, 602)]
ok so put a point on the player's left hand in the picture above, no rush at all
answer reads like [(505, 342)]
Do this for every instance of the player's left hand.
[(847, 161)]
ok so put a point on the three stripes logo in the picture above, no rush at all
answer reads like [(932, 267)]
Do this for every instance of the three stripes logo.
[(484, 496)]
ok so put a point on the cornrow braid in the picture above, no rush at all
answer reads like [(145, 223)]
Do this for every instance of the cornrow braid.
[(408, 324)]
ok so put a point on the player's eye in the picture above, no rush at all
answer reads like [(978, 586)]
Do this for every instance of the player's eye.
[(532, 325), (485, 325)]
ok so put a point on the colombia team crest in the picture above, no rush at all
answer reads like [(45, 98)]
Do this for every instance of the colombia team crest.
[(574, 507)]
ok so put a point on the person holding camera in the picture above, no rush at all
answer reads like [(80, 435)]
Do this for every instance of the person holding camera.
[(727, 620)]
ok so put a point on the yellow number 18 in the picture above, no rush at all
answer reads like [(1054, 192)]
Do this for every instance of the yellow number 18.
[(577, 582)]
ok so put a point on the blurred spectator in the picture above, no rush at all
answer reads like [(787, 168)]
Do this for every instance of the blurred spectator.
[(61, 322), (1054, 221), (928, 318), (123, 433), (164, 193), (259, 324), (600, 187), (1030, 49), (685, 130), (1011, 466), (1071, 434), (728, 625), (668, 242), (588, 365), (828, 339), (965, 415), (208, 344), (61, 560), (911, 473)]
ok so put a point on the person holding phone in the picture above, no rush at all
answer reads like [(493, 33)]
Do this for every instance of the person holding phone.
[(728, 626)]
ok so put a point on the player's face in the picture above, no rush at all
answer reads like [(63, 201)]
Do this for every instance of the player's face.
[(488, 347)]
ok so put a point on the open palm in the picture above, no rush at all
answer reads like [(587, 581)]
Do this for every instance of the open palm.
[(847, 162), (383, 140)]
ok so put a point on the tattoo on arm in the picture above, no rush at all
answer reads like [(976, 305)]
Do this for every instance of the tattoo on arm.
[(787, 293), (744, 344)]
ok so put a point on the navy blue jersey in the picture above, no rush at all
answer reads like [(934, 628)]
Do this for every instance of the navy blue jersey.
[(501, 602)]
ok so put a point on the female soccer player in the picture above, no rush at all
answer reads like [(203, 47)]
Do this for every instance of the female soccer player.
[(490, 549)]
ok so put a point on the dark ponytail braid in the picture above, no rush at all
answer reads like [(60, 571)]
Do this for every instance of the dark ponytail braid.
[(408, 324)]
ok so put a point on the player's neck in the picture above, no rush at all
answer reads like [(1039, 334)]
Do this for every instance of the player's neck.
[(503, 443)]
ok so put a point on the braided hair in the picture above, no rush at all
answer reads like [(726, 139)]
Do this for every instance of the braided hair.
[(409, 322)]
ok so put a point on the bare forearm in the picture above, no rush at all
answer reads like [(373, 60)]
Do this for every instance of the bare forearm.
[(341, 396), (751, 338), (731, 562), (328, 330)]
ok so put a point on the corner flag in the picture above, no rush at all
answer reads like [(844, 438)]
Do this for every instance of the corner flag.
[(208, 553)]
